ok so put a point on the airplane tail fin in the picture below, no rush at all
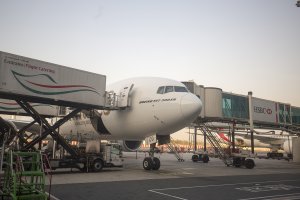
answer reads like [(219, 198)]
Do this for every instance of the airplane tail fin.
[(225, 138)]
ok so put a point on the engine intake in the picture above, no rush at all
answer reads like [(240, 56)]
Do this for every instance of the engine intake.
[(130, 145), (7, 132)]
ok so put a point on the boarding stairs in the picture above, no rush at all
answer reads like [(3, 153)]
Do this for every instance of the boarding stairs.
[(24, 177), (218, 145), (173, 147)]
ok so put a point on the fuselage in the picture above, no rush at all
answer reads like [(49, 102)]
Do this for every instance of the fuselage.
[(273, 142), (155, 106)]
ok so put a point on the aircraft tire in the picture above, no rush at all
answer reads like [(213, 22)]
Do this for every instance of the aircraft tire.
[(147, 163), (249, 163), (237, 162), (97, 165), (156, 163), (195, 158), (83, 169), (205, 158)]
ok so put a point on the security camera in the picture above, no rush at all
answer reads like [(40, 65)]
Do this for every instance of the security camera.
[(298, 4)]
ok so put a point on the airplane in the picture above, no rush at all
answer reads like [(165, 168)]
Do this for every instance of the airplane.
[(274, 142), (150, 106)]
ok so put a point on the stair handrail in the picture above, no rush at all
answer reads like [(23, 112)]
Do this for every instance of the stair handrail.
[(215, 141)]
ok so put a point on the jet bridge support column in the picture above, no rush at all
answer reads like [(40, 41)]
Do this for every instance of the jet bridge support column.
[(195, 141), (48, 128), (251, 120), (252, 143), (204, 138), (233, 137)]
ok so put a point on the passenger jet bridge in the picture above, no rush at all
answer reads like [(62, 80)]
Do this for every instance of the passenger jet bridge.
[(223, 110)]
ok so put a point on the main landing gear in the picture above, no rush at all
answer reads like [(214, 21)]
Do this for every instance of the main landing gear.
[(151, 162)]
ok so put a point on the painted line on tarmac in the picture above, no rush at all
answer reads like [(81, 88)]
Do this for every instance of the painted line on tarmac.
[(52, 197), (206, 186), (277, 197), (168, 195), (220, 185)]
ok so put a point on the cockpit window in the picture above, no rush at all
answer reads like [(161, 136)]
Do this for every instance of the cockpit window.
[(161, 90), (169, 89), (180, 89)]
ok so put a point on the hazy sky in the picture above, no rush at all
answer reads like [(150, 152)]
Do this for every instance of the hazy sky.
[(236, 45)]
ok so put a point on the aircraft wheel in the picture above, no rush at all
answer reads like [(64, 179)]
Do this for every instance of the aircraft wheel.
[(156, 163), (97, 165), (83, 168), (249, 163), (195, 158), (205, 158), (147, 163), (237, 162)]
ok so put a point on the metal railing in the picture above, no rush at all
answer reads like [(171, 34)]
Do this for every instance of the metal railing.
[(173, 147), (218, 145)]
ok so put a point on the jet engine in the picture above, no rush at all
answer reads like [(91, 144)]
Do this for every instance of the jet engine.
[(130, 145), (8, 131)]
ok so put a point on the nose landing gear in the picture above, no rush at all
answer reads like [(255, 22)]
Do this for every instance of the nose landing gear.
[(151, 162)]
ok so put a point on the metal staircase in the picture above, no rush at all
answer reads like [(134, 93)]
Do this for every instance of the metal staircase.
[(24, 177), (172, 146), (218, 144), (47, 170)]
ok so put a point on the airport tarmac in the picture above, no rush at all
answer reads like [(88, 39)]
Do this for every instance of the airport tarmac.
[(270, 179)]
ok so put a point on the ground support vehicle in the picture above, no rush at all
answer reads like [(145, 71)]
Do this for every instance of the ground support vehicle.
[(200, 156), (275, 155), (239, 160), (110, 155)]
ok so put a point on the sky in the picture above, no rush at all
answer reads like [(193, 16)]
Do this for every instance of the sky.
[(235, 45)]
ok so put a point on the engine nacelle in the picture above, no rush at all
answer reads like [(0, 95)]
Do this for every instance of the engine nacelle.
[(8, 131), (130, 145)]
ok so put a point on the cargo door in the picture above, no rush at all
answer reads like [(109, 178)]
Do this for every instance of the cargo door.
[(123, 100)]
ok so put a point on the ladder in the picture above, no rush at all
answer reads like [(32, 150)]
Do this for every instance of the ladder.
[(47, 171), (218, 145), (24, 178), (172, 146)]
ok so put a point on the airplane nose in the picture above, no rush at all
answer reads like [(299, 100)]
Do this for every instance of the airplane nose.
[(191, 106)]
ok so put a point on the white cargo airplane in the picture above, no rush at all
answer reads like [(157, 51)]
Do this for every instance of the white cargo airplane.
[(152, 106)]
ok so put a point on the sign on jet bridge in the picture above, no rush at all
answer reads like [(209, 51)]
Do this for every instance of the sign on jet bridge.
[(39, 79), (264, 110)]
